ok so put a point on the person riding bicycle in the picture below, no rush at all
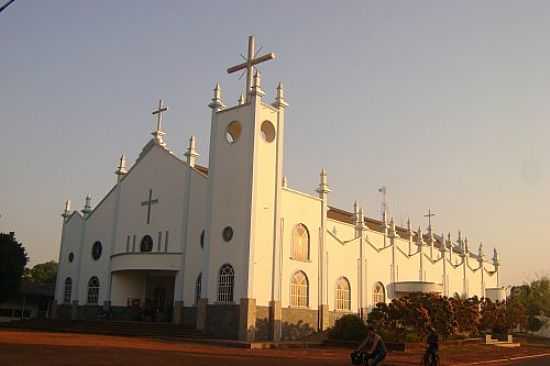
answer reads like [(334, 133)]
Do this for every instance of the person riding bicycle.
[(432, 347), (374, 346)]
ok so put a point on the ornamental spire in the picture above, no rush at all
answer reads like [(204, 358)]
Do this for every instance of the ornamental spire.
[(323, 184), (191, 153), (121, 170), (256, 86), (216, 104), (87, 205), (280, 101)]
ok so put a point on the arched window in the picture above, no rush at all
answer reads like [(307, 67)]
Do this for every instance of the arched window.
[(146, 244), (378, 293), (299, 290), (198, 285), (300, 243), (226, 280), (68, 290), (343, 294), (93, 290)]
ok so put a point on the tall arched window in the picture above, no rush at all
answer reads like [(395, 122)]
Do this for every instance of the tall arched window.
[(226, 280), (378, 293), (68, 290), (198, 285), (343, 294), (299, 290), (300, 243), (93, 290)]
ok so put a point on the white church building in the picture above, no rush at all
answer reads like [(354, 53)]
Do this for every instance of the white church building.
[(232, 250)]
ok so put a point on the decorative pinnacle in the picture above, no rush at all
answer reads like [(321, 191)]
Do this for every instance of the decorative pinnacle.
[(419, 238), (191, 153), (466, 244), (323, 184), (256, 86), (443, 243), (409, 225), (495, 257), (67, 210), (480, 252), (241, 99), (393, 232), (280, 101), (217, 104), (121, 168), (87, 205)]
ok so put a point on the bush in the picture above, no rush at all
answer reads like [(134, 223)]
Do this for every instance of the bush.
[(349, 328)]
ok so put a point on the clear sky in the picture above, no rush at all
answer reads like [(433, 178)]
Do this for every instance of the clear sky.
[(447, 103)]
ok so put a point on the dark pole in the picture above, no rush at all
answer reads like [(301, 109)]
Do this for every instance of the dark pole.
[(6, 5)]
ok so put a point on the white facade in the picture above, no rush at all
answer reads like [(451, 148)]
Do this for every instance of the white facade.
[(240, 212)]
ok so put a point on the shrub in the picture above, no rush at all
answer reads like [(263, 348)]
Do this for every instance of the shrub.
[(349, 328)]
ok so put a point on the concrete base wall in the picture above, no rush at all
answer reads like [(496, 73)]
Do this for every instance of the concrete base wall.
[(262, 323), (298, 323), (222, 321)]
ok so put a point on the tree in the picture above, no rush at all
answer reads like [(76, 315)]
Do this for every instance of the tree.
[(535, 298), (44, 273), (13, 259)]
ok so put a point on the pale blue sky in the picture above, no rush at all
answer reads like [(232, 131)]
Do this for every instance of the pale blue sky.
[(446, 103)]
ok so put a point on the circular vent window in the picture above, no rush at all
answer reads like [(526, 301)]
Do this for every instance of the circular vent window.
[(227, 233), (233, 132)]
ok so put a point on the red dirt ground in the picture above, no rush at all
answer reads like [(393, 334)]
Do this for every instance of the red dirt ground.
[(20, 348)]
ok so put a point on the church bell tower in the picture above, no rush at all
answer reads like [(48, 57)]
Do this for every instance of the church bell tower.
[(244, 185)]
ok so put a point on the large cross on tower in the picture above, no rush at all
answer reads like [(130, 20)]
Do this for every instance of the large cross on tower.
[(158, 133), (251, 61), (149, 203), (429, 215)]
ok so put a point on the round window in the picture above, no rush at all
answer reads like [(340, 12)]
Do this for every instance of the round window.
[(268, 131), (227, 233), (233, 132), (202, 238), (146, 244), (96, 250), (71, 257)]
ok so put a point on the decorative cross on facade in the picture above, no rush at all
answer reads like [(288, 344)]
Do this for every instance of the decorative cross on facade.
[(149, 203), (158, 134), (429, 215), (251, 61)]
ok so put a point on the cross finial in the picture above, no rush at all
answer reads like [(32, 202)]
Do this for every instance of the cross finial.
[(158, 134), (250, 62), (429, 215), (67, 210)]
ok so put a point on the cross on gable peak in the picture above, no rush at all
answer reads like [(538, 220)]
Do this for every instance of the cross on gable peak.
[(250, 64), (158, 134)]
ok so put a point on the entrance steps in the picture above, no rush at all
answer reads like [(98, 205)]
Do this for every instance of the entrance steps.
[(107, 327)]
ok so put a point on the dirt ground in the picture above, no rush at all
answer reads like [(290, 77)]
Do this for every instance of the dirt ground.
[(20, 348)]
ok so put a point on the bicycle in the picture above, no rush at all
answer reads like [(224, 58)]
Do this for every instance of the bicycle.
[(430, 359)]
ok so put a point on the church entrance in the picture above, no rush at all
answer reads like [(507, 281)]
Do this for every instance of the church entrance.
[(144, 295)]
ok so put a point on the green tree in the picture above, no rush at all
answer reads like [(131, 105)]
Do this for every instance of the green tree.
[(13, 259), (42, 273), (535, 298)]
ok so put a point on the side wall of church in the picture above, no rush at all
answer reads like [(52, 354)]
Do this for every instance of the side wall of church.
[(72, 231), (342, 262), (97, 228), (197, 224), (300, 208)]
